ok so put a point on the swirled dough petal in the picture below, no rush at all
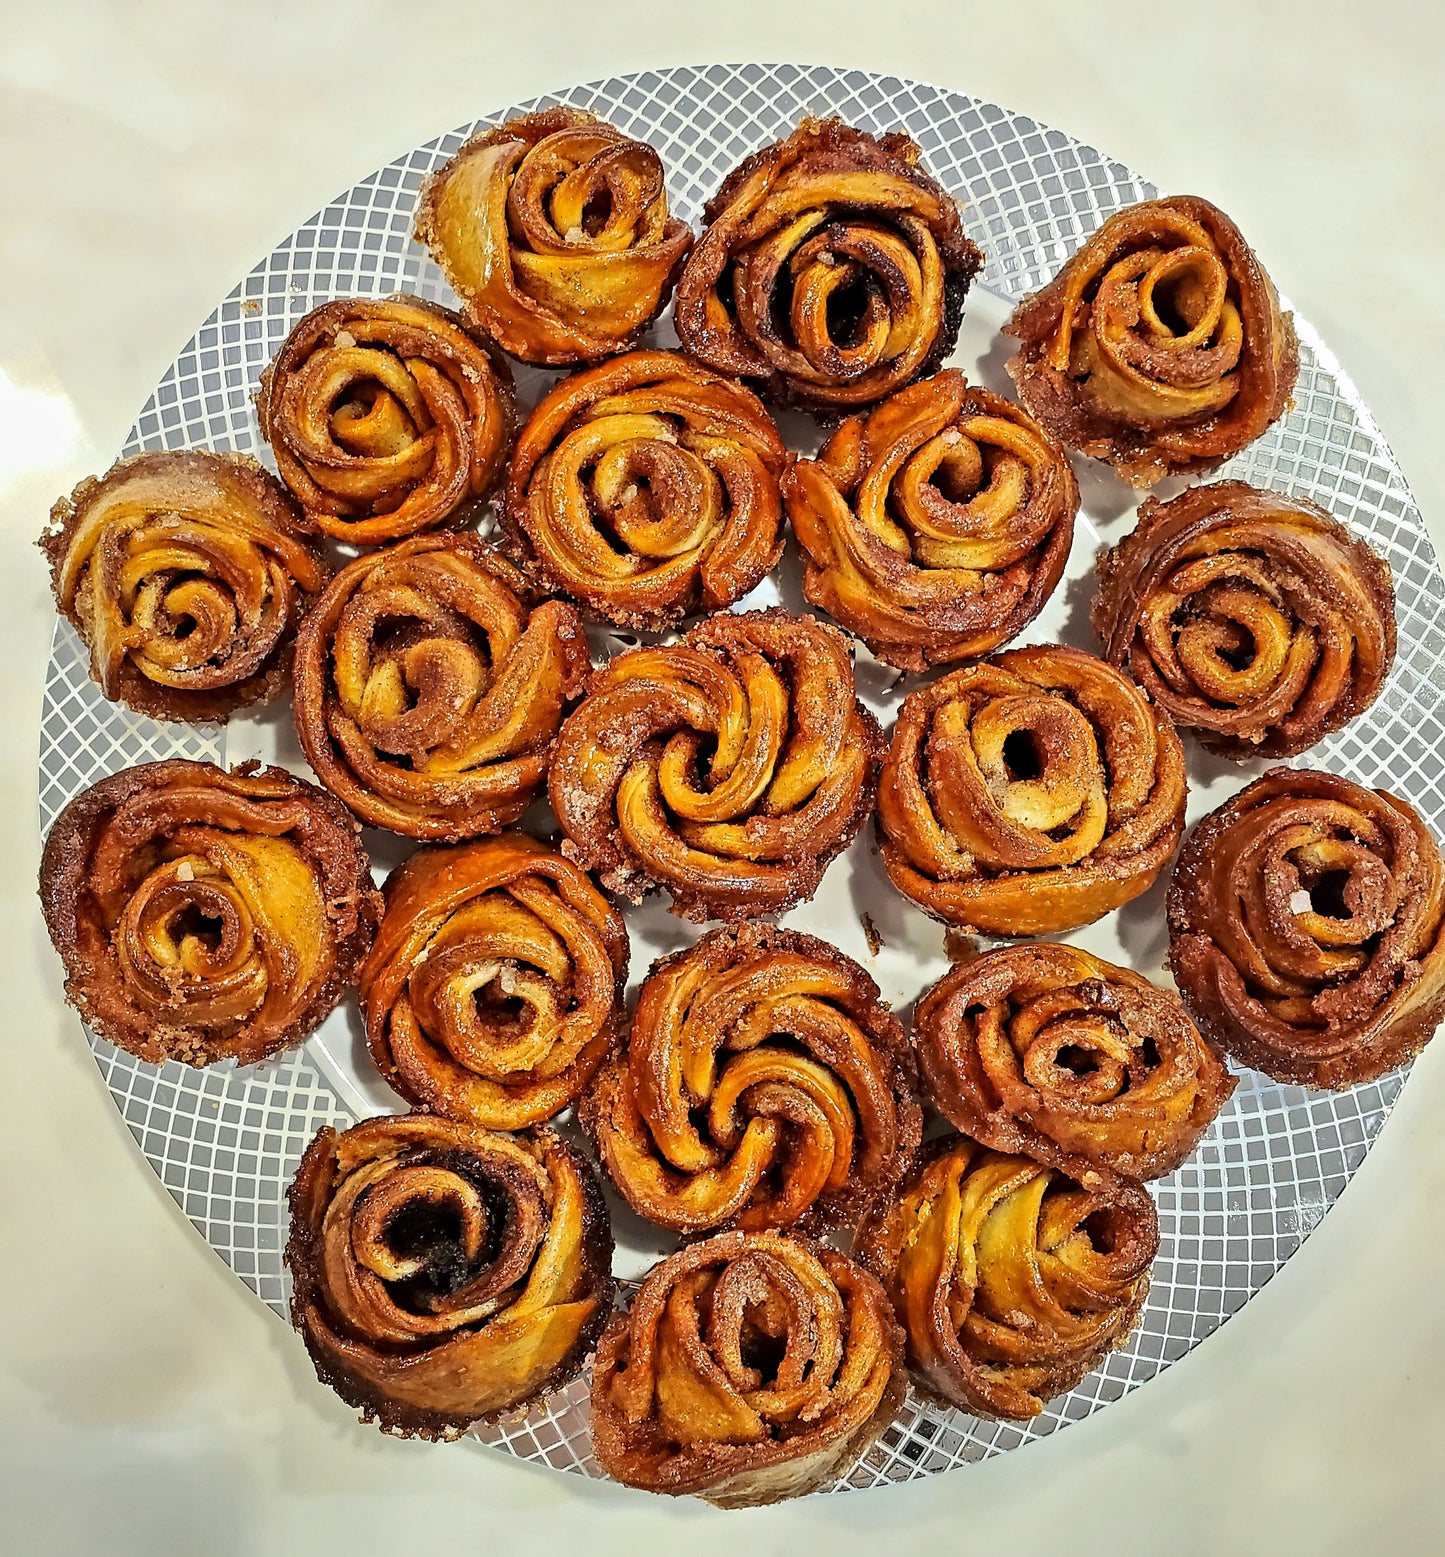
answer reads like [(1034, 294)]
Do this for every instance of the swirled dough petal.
[(444, 1274), (1029, 794), (1255, 618), (430, 684), (646, 488), (832, 269), (494, 988), (386, 418), (205, 915), (1012, 1279), (937, 526), (730, 767), (750, 1368), (764, 1084), (186, 573), (554, 230), (1160, 346), (1047, 1050), (1307, 928)]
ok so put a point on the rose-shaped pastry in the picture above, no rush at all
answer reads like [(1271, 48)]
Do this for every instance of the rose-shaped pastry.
[(833, 269), (1307, 929), (764, 1085), (386, 418), (647, 488), (1160, 346), (1029, 794), (553, 229), (493, 990), (186, 573), (1254, 618), (1012, 1279), (937, 526), (730, 767), (429, 687), (444, 1274), (751, 1367), (1044, 1049), (204, 915)]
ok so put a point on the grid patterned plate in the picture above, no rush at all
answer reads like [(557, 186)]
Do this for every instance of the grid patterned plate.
[(226, 1141)]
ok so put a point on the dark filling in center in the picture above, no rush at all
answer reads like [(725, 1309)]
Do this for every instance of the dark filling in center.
[(1021, 756)]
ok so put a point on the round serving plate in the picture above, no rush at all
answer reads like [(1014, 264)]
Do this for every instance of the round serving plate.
[(225, 1141)]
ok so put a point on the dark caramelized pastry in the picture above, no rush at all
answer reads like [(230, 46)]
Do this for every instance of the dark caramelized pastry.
[(555, 233), (730, 767), (1012, 1279), (647, 489), (764, 1085), (1307, 929), (1254, 618), (1029, 794), (443, 1274), (204, 915), (430, 686), (1160, 346), (186, 573), (495, 985), (386, 418), (832, 269), (751, 1367), (1046, 1050), (937, 526)]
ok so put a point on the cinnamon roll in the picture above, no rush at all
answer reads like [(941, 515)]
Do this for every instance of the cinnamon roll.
[(1012, 1279), (1029, 794), (832, 269), (430, 684), (730, 767), (647, 489), (764, 1084), (554, 231), (204, 915), (1254, 618), (937, 526), (443, 1274), (1307, 929), (1160, 346), (494, 987), (752, 1367), (1046, 1050), (186, 573), (386, 418)]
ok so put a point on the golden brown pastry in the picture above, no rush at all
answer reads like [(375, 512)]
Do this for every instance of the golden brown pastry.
[(186, 573), (751, 1367), (1029, 794), (764, 1084), (833, 269), (554, 231), (647, 489), (1254, 618), (443, 1274), (937, 526), (430, 684), (1160, 346), (204, 915), (1012, 1279), (386, 418), (1307, 929), (1046, 1050), (494, 988), (730, 767)]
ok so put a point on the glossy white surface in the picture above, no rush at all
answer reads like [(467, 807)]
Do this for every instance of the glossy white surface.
[(151, 152)]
